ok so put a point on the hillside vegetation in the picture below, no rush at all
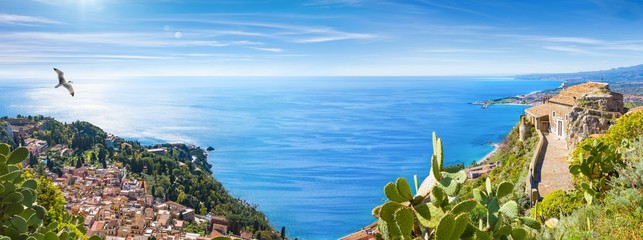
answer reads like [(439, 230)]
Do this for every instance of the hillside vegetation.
[(182, 174), (607, 202)]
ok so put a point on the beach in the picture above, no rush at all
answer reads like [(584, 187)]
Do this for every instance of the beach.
[(489, 155)]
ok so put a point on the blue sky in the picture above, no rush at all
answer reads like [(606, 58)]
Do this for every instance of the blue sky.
[(121, 38)]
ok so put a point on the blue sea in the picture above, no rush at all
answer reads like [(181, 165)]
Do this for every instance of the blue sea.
[(313, 153)]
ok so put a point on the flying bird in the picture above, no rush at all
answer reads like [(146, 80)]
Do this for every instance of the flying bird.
[(63, 82)]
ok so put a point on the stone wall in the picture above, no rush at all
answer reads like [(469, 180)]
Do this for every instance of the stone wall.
[(584, 122)]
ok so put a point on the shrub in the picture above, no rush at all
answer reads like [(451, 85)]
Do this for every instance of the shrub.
[(557, 203), (628, 127)]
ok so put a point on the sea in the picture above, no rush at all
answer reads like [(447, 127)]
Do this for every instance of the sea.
[(312, 153)]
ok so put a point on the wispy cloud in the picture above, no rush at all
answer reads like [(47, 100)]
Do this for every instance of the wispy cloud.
[(570, 50), (461, 50), (577, 40), (275, 30), (117, 38), (268, 49), (328, 35), (334, 2), (11, 19)]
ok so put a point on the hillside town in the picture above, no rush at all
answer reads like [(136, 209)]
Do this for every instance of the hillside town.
[(116, 206)]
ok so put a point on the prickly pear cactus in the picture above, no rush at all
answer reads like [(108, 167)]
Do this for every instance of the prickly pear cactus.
[(408, 216), (20, 217), (437, 214), (596, 168)]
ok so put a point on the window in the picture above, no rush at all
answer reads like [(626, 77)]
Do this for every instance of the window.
[(553, 113)]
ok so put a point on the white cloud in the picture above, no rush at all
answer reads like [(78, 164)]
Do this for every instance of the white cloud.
[(570, 50), (267, 49), (328, 35), (577, 40), (24, 20)]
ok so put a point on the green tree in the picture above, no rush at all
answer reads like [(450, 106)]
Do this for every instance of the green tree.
[(283, 232), (50, 197)]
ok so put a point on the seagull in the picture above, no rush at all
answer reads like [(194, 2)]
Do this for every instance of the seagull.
[(63, 82)]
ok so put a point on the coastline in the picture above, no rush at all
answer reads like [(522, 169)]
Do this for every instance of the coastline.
[(489, 155)]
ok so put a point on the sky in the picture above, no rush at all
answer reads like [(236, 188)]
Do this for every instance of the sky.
[(129, 38)]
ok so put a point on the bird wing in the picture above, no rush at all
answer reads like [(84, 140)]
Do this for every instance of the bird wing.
[(61, 76), (69, 88)]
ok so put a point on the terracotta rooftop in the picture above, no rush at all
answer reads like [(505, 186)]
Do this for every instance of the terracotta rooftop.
[(365, 233), (569, 95), (538, 110)]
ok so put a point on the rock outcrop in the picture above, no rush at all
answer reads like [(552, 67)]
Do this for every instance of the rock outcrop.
[(593, 115)]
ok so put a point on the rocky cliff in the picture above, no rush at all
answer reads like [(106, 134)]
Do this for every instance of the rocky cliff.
[(594, 115)]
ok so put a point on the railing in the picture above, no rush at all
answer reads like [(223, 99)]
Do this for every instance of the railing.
[(531, 186)]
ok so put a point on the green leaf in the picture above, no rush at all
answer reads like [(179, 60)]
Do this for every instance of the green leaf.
[(446, 227), (530, 222), (459, 177), (519, 234), (509, 209), (584, 168), (4, 149), (11, 232), (480, 196), (10, 176), (488, 186), (41, 212), (391, 193), (504, 189), (438, 196), (18, 155), (31, 183), (502, 231), (464, 206), (404, 189), (574, 169), (480, 235), (492, 212), (51, 236), (394, 230), (461, 224), (435, 168), (376, 211), (14, 209), (29, 196), (423, 213), (587, 147), (217, 238), (34, 220), (404, 219), (449, 186), (14, 197), (469, 232), (52, 226), (26, 214), (388, 210), (436, 216), (19, 223), (588, 197)]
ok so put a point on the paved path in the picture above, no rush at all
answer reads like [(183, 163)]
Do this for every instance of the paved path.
[(552, 169)]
